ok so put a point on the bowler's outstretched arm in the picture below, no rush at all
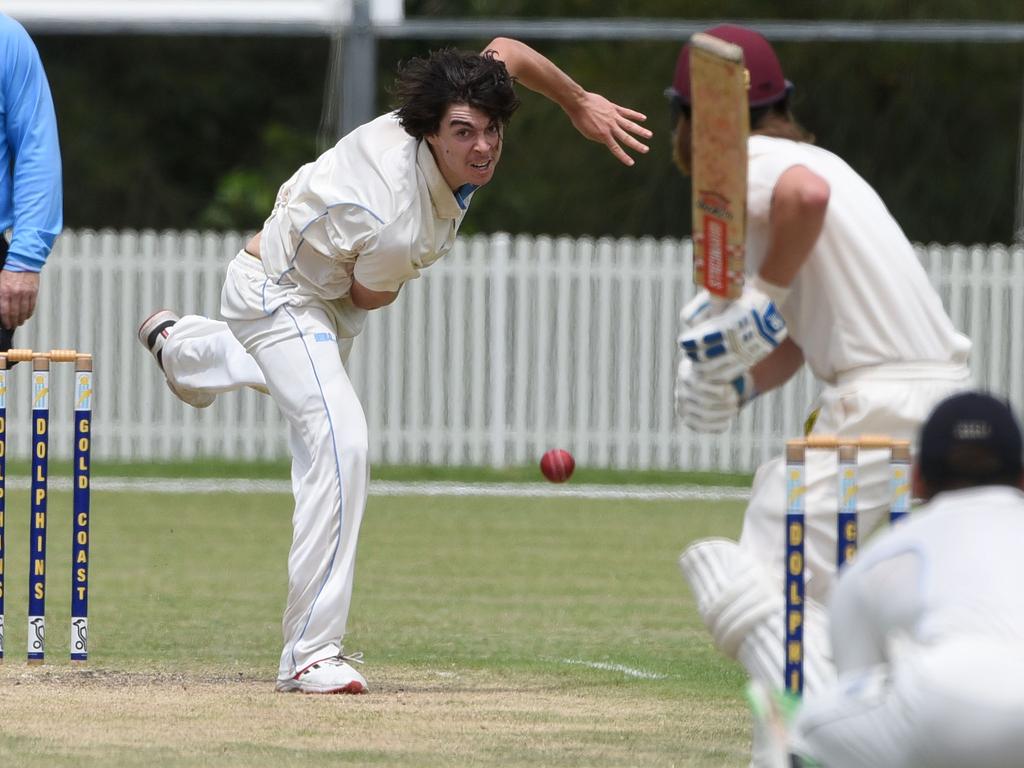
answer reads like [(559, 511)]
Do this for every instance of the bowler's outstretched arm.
[(594, 116)]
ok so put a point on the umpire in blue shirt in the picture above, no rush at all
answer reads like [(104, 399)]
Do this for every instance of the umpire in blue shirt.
[(31, 199)]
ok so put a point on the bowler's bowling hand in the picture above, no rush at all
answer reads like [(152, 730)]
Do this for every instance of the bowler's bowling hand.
[(609, 124)]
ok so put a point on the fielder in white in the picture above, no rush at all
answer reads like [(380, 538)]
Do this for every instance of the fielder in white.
[(346, 232), (834, 283), (928, 621)]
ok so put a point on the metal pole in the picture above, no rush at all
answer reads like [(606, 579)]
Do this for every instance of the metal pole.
[(1018, 214), (359, 70)]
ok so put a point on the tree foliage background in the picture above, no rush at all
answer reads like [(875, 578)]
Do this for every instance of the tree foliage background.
[(181, 132)]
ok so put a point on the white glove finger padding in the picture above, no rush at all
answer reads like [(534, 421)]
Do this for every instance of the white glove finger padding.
[(722, 370), (702, 415), (707, 423), (695, 311), (705, 406)]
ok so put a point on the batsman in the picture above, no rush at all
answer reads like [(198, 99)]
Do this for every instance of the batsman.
[(804, 265)]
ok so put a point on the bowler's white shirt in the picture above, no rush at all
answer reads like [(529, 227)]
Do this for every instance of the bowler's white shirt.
[(862, 297), (374, 207)]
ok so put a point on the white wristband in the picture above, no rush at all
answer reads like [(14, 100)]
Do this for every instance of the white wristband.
[(777, 293)]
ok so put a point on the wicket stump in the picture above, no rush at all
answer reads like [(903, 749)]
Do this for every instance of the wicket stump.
[(83, 391), (847, 452)]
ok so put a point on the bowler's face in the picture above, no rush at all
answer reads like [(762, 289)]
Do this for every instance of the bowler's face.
[(466, 146)]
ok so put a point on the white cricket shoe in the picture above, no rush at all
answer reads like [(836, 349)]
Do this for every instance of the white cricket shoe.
[(153, 334), (331, 675)]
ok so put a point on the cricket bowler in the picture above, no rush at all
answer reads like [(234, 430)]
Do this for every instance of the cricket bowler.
[(346, 233)]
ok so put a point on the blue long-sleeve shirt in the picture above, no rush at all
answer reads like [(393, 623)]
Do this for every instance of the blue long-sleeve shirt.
[(31, 196)]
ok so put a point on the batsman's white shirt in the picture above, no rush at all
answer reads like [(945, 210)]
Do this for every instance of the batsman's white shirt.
[(873, 331), (928, 632), (376, 208), (862, 298)]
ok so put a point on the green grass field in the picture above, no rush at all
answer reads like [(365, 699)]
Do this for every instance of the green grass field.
[(497, 631)]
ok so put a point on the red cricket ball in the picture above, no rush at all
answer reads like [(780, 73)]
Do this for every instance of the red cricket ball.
[(557, 465)]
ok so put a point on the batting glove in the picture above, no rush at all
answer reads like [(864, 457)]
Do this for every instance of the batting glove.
[(696, 310), (704, 406), (745, 332)]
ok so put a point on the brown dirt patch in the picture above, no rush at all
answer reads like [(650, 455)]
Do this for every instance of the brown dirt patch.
[(57, 716)]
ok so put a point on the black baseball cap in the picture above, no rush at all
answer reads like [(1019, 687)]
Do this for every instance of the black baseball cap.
[(971, 438)]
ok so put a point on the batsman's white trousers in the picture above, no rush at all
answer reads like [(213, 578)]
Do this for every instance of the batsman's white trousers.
[(294, 347), (954, 705), (892, 400)]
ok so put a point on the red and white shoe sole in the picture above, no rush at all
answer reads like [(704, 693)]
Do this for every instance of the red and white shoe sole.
[(354, 687)]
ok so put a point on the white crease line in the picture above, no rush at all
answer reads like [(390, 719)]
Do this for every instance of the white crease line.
[(394, 488), (164, 485), (642, 674), (637, 492)]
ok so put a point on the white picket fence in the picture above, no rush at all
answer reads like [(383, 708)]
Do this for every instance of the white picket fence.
[(507, 347)]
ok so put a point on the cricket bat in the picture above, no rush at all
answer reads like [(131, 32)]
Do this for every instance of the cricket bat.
[(720, 125)]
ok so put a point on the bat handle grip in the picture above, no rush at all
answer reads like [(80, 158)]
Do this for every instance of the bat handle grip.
[(718, 305)]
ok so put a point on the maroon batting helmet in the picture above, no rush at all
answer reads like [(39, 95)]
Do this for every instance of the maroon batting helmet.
[(767, 83)]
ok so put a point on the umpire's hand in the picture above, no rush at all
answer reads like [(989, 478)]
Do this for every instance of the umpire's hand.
[(18, 292)]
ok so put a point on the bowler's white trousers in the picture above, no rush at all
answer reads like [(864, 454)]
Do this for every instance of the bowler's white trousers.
[(295, 347)]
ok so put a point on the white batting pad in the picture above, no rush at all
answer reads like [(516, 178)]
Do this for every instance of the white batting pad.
[(744, 612)]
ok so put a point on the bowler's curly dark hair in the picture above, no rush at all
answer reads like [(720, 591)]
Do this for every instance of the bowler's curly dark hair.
[(426, 87)]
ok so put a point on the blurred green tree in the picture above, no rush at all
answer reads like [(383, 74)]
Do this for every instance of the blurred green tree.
[(151, 126), (199, 132)]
